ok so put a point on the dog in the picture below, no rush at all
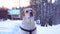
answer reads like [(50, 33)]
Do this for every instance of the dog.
[(28, 25)]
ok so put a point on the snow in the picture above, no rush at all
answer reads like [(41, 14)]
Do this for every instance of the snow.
[(12, 27), (9, 27), (48, 30)]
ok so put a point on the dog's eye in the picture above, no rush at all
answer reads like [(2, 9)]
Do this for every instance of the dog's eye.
[(26, 11)]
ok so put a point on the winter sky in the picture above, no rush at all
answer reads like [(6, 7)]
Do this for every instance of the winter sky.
[(16, 3)]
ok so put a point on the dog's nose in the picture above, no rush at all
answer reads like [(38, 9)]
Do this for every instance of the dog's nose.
[(31, 14)]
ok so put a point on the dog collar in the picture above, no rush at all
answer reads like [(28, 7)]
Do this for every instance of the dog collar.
[(30, 31)]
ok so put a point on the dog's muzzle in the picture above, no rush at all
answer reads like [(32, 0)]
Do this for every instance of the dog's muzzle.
[(31, 14)]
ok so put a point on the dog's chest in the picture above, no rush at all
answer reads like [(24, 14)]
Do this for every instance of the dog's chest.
[(28, 23)]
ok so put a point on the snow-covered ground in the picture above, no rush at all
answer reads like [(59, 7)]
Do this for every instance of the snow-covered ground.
[(12, 27), (9, 27), (48, 30)]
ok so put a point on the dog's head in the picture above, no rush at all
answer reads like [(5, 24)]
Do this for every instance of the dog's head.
[(28, 12)]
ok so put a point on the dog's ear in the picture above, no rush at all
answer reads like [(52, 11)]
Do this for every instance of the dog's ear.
[(34, 12), (22, 13)]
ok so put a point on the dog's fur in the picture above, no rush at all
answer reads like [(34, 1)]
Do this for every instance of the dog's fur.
[(28, 23)]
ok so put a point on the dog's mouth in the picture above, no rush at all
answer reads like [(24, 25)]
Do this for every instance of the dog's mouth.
[(31, 14)]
